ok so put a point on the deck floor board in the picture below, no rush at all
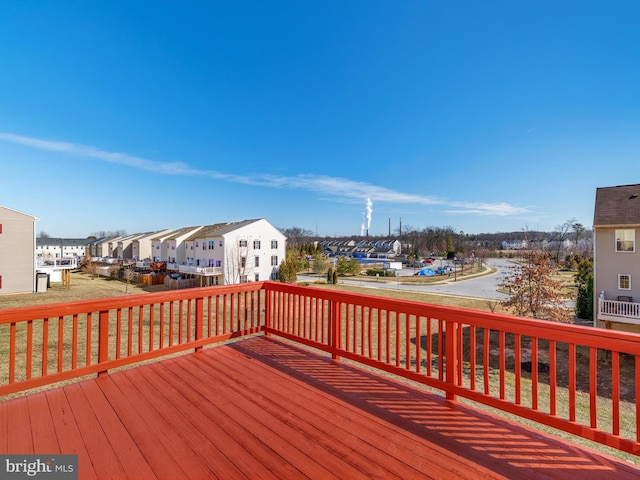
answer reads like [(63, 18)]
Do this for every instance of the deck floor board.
[(263, 409)]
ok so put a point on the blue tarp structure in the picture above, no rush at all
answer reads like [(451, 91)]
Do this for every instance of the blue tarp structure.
[(426, 272)]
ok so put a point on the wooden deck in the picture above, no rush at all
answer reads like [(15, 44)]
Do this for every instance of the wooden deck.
[(261, 409)]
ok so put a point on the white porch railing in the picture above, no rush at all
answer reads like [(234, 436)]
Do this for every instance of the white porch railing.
[(615, 311), (57, 263), (200, 270)]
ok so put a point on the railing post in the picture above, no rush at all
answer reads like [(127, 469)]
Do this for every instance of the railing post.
[(451, 356), (199, 321), (335, 325), (267, 312), (103, 339)]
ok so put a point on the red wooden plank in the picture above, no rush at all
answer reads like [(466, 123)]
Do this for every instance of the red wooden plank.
[(356, 429), (18, 427), (133, 462), (353, 447), (69, 437), (101, 453), (146, 439), (4, 427), (157, 422), (42, 430), (178, 413), (238, 435)]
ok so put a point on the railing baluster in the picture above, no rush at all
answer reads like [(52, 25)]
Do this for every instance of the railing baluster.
[(485, 359), (572, 382), (60, 342), (29, 362), (517, 368), (534, 373), (12, 352), (472, 357), (552, 377), (593, 386), (615, 393)]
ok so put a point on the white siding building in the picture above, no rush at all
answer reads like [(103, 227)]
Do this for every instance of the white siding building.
[(237, 252)]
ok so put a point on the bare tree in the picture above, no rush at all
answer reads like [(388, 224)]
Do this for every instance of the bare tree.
[(535, 293), (43, 234), (129, 274), (236, 257), (561, 234)]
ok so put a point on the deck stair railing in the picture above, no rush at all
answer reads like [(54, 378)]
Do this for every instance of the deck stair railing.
[(581, 380)]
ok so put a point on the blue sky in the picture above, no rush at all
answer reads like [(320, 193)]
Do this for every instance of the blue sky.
[(482, 116)]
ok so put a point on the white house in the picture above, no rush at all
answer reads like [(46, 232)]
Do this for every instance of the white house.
[(17, 251), (236, 252), (52, 248)]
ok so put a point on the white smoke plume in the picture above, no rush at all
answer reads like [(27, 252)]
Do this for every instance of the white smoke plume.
[(369, 212)]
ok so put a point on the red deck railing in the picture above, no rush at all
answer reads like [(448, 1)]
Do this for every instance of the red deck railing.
[(581, 380)]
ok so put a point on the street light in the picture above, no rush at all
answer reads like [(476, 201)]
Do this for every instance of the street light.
[(455, 270)]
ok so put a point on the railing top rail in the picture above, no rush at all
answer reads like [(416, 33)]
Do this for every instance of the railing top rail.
[(18, 314)]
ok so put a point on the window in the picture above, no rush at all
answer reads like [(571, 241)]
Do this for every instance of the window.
[(256, 244), (220, 243), (274, 260), (257, 277), (256, 261), (212, 244), (624, 281), (274, 243), (243, 262), (243, 243), (243, 279), (625, 240)]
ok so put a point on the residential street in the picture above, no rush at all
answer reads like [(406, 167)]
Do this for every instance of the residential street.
[(484, 286)]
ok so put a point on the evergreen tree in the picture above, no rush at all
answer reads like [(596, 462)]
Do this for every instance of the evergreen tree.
[(288, 270)]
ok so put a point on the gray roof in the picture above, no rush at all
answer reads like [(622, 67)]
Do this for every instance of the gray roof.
[(62, 242), (219, 229), (618, 205)]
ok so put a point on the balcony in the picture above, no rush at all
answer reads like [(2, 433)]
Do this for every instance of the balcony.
[(67, 263), (204, 271), (618, 311), (314, 384)]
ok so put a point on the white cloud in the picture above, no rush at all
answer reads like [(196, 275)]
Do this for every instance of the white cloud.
[(336, 187)]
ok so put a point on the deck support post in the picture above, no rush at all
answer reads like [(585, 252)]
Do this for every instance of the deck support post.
[(267, 312), (451, 356), (335, 327), (199, 321)]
